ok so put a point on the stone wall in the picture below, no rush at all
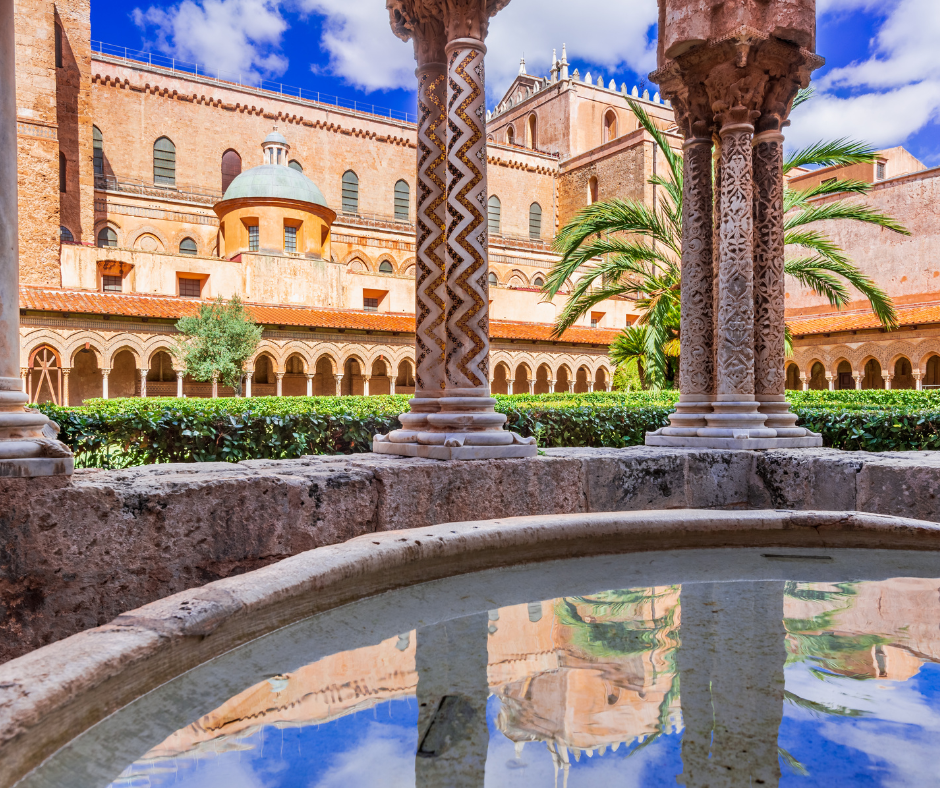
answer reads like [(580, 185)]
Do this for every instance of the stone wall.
[(905, 266), (75, 554), (37, 142)]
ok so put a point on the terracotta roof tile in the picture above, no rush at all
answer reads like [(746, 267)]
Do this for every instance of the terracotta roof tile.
[(855, 321), (170, 307)]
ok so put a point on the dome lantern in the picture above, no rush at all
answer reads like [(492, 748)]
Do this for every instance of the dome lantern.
[(275, 148)]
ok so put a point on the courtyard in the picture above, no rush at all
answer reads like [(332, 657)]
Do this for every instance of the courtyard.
[(533, 429)]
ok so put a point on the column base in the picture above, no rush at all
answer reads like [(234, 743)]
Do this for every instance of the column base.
[(692, 411), (810, 441), (765, 423), (28, 440), (460, 425)]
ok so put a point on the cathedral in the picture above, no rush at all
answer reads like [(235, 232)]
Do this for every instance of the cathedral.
[(147, 187)]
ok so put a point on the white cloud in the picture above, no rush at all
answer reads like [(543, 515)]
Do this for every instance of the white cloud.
[(231, 36), (887, 97), (364, 52), (881, 119), (362, 48)]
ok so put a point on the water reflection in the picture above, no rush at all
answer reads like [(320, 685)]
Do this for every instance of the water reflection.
[(712, 684)]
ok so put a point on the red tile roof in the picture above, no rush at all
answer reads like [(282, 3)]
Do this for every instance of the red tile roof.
[(855, 321), (173, 308)]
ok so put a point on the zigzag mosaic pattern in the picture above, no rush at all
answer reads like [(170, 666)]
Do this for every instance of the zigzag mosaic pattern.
[(430, 312), (467, 328)]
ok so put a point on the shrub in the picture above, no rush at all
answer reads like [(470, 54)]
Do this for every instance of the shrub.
[(124, 432)]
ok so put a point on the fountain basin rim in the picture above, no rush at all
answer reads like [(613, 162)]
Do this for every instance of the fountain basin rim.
[(53, 694)]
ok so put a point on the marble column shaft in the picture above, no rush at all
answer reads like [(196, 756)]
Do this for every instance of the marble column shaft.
[(696, 329), (430, 267), (769, 286), (735, 411)]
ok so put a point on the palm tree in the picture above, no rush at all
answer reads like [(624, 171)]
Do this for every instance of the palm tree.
[(626, 248)]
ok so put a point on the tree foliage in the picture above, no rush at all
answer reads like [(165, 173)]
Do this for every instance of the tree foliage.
[(217, 342), (627, 248)]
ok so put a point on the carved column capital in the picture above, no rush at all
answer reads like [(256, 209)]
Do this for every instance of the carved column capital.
[(421, 22)]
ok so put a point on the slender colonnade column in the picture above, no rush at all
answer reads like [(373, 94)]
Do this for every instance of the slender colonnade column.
[(769, 286), (735, 406), (430, 305), (453, 415), (697, 360), (27, 438)]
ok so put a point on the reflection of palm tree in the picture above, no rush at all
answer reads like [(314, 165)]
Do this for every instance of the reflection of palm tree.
[(625, 623)]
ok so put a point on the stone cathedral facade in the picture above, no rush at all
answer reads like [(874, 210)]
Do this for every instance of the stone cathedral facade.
[(145, 188)]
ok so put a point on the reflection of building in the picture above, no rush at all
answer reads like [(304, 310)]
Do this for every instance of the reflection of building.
[(552, 689), (885, 629)]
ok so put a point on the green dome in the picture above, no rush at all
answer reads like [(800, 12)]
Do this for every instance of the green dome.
[(275, 181)]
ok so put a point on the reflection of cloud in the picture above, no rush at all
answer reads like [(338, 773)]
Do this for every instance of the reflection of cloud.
[(898, 732), (383, 755), (225, 772), (534, 767)]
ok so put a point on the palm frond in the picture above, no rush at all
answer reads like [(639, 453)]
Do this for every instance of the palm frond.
[(831, 153), (841, 209), (809, 272), (819, 273), (673, 159), (818, 242), (802, 96), (797, 197)]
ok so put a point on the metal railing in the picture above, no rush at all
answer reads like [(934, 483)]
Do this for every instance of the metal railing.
[(190, 193), (382, 220), (246, 81)]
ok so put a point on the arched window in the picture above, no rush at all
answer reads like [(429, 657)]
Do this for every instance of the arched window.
[(350, 192), (402, 199), (188, 246), (63, 172), (493, 279), (164, 162), (532, 129), (231, 168), (65, 234), (385, 267), (610, 126), (511, 135), (97, 142), (592, 190), (493, 209), (535, 221), (107, 237), (538, 282), (295, 165)]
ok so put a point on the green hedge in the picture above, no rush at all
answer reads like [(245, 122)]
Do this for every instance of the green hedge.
[(124, 432)]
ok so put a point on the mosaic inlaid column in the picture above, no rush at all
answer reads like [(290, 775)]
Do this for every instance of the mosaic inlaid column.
[(735, 411), (452, 415), (697, 359), (467, 416), (430, 305), (769, 287), (27, 438)]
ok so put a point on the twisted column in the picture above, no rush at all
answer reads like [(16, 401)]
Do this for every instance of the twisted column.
[(697, 359), (735, 407)]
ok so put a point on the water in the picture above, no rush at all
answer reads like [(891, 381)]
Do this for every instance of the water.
[(754, 670)]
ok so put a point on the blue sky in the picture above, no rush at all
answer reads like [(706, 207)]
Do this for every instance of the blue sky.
[(881, 82)]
